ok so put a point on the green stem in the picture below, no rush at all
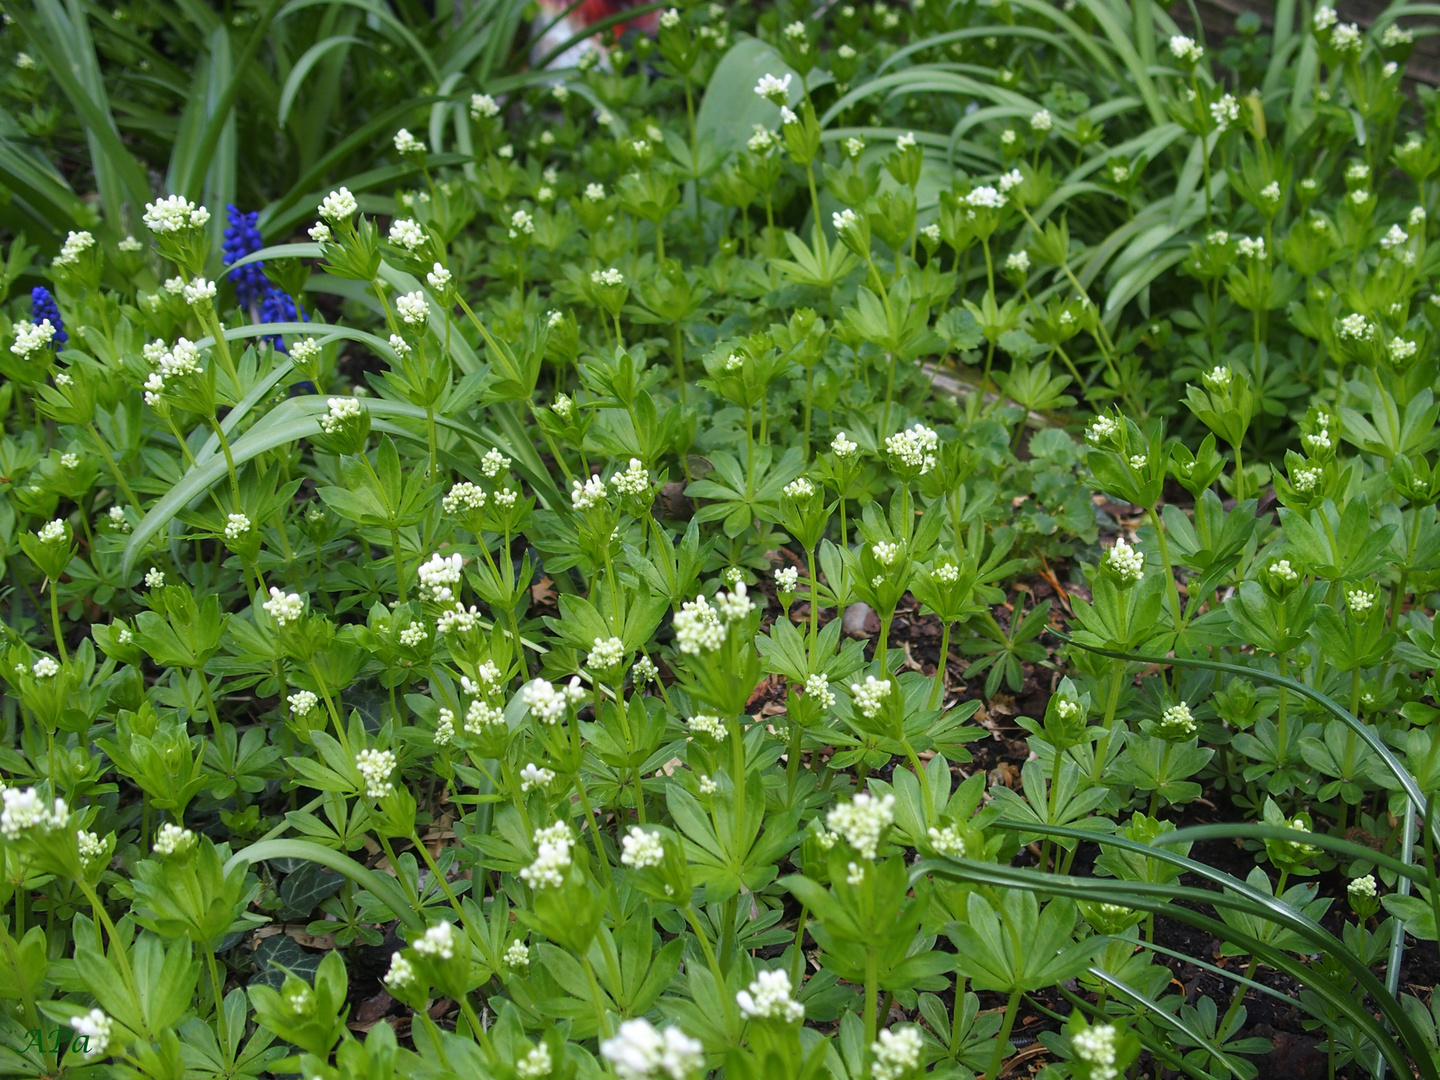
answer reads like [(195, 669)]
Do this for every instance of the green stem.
[(602, 1015), (104, 448), (693, 918), (55, 622), (1002, 1043), (872, 987), (229, 463), (477, 1028), (217, 989), (937, 691), (1102, 751), (1176, 610), (438, 876)]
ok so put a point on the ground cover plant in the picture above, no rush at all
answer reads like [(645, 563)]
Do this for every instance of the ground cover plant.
[(862, 541)]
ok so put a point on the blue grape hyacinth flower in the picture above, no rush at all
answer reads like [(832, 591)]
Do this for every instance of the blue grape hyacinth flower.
[(43, 306), (279, 307), (242, 238)]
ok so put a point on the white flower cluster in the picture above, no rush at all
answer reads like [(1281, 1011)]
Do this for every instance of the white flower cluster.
[(774, 90), (762, 141), (1394, 238), (199, 291), (634, 481), (546, 703), (1347, 38), (552, 857), (76, 244), (641, 850), (1282, 569), (96, 1029), (985, 198), (770, 997), (863, 821), (1363, 888), (799, 488), (607, 654), (45, 668), (842, 446), (521, 224), (304, 350), (1355, 327), (338, 206), (302, 703), (342, 410), (786, 578), (401, 973), (375, 767), (589, 494), (1396, 35), (24, 812), (170, 363), (173, 839), (611, 278), (284, 607), (1018, 261), (405, 143), (885, 553), (438, 941), (640, 1052), (1096, 1045), (174, 213), (1126, 562), (1224, 112), (536, 1063), (896, 1053), (90, 846), (517, 955), (481, 715), (30, 337), (1317, 442), (818, 687), (915, 447), (1248, 248), (457, 619), (698, 628), (1042, 121), (1186, 50), (406, 233), (1359, 601), (413, 308), (52, 532), (444, 727), (483, 107), (463, 496), (1401, 350), (947, 841), (1176, 722), (440, 575), (236, 526), (706, 724), (870, 695)]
